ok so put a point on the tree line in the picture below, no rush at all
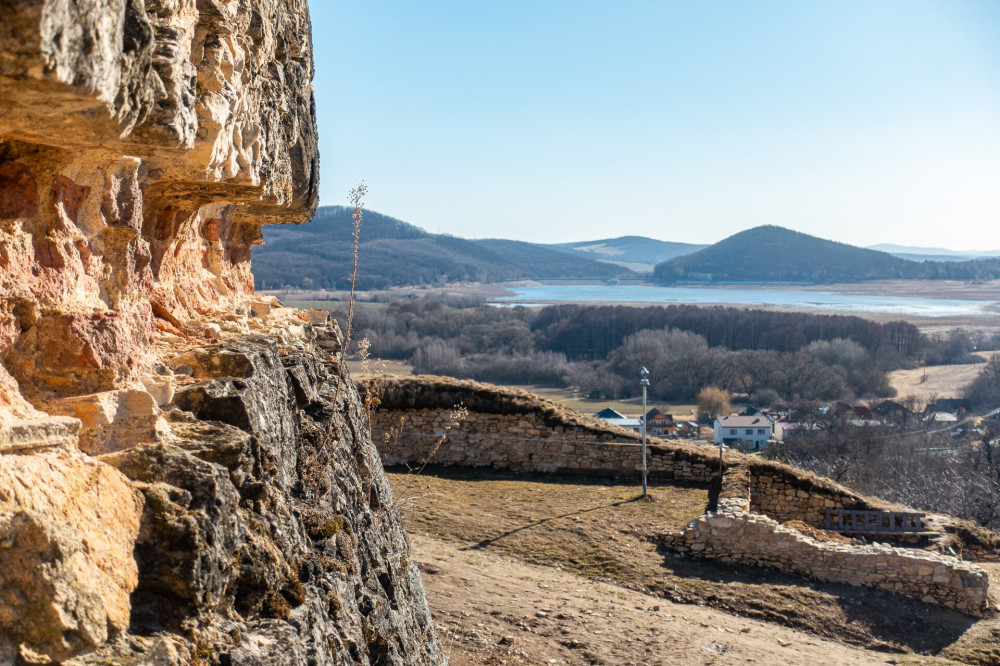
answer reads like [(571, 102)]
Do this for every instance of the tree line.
[(773, 358), (932, 472)]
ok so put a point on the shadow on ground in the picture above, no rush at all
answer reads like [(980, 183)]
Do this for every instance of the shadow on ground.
[(482, 510), (897, 623)]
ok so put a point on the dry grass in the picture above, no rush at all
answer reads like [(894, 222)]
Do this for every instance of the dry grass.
[(937, 381), (599, 528), (980, 645), (573, 399), (392, 368)]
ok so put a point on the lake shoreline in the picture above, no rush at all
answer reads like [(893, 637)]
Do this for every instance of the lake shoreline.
[(495, 292)]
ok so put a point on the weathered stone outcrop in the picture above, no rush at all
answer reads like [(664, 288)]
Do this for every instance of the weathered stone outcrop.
[(142, 145), (183, 479), (268, 518), (65, 577)]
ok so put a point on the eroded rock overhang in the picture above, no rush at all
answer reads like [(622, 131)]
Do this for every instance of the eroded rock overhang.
[(142, 145)]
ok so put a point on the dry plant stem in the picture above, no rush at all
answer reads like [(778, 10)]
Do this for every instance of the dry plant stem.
[(376, 384), (321, 458), (459, 414), (356, 196), (391, 438)]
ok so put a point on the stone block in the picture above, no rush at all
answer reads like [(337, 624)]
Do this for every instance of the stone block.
[(68, 528), (115, 420), (41, 434)]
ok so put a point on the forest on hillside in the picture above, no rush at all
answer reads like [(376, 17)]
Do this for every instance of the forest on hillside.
[(775, 254), (320, 255), (773, 358)]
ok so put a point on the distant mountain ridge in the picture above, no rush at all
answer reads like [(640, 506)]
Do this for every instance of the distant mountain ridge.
[(776, 254), (637, 252), (914, 253), (396, 253)]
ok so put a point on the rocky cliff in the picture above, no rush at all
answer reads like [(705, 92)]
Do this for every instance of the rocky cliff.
[(184, 478)]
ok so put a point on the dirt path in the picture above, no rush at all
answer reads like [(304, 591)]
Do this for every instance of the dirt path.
[(491, 609)]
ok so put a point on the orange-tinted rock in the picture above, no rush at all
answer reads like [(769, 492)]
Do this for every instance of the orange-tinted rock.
[(69, 196), (18, 194), (81, 353), (138, 159)]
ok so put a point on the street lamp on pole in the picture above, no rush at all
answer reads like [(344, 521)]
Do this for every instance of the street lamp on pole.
[(644, 383)]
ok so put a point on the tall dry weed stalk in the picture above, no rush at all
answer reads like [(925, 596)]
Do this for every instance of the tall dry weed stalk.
[(458, 414), (313, 465), (357, 199), (376, 374)]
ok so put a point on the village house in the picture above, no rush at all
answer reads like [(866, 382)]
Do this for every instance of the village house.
[(854, 415), (958, 406), (689, 429), (891, 411), (659, 424), (940, 418), (614, 417), (745, 432), (793, 428), (799, 421)]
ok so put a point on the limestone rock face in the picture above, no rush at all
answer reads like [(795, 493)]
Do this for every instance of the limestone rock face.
[(68, 526), (183, 478), (142, 145)]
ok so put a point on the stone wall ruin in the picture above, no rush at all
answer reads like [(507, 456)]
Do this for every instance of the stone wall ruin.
[(737, 533), (523, 433)]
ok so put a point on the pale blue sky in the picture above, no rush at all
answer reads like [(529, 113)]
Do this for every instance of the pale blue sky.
[(861, 121)]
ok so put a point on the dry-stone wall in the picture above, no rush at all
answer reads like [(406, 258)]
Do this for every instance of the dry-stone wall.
[(735, 533), (748, 538), (787, 494), (980, 554), (524, 443)]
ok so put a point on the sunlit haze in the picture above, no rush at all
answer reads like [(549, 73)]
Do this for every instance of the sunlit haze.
[(862, 122)]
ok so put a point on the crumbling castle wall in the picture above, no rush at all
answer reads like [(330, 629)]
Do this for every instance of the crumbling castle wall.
[(526, 443), (736, 533), (519, 432)]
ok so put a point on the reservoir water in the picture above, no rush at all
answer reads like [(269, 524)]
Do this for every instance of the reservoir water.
[(818, 300)]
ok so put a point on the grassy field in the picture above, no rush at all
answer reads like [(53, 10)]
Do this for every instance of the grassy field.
[(572, 399), (393, 368), (937, 381), (600, 529)]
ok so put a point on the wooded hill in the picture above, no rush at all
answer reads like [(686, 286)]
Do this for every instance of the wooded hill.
[(394, 253), (319, 255), (775, 254)]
